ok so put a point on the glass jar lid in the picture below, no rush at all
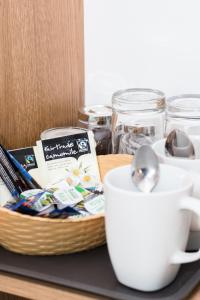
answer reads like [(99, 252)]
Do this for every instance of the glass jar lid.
[(184, 106), (98, 115), (59, 132), (138, 100)]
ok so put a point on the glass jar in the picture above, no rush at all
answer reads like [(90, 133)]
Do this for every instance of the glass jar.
[(98, 119), (183, 112), (52, 133), (137, 119)]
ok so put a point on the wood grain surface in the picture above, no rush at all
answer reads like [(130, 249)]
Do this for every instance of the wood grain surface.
[(41, 67), (4, 296), (38, 290), (34, 289), (111, 161)]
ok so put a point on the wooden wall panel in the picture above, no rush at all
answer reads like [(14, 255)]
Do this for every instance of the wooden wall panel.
[(41, 67)]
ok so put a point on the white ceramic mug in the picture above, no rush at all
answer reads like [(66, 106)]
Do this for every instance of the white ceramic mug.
[(190, 165), (147, 233)]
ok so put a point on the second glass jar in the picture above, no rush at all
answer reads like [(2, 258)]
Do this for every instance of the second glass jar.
[(183, 112), (137, 118)]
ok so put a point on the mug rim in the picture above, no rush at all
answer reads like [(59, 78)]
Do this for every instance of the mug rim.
[(185, 188)]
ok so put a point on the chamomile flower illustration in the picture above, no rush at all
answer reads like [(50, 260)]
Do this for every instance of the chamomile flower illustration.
[(88, 181), (81, 172)]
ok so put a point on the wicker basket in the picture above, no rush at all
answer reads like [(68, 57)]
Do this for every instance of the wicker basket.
[(42, 236)]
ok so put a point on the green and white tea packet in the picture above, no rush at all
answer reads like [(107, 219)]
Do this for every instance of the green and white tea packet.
[(95, 205), (69, 197)]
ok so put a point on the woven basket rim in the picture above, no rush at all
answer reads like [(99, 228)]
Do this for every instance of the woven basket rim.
[(40, 219)]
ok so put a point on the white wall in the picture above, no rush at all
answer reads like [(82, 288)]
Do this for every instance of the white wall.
[(141, 43)]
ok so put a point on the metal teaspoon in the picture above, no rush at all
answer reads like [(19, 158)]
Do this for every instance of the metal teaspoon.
[(145, 169), (178, 144)]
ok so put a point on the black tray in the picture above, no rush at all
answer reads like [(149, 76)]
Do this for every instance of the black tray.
[(91, 271)]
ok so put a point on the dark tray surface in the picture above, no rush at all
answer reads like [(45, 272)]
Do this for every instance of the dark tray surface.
[(91, 271)]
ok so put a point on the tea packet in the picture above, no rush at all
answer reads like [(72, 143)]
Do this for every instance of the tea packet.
[(69, 157)]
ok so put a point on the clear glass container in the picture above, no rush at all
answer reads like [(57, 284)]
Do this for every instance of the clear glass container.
[(98, 119), (137, 119), (183, 112)]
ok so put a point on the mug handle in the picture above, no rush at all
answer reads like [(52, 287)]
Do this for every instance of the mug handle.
[(195, 224), (181, 257)]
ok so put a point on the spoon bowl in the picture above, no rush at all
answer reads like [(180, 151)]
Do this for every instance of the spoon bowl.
[(178, 144), (145, 169)]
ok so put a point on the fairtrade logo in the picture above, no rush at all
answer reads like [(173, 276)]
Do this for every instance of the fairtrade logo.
[(82, 145)]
